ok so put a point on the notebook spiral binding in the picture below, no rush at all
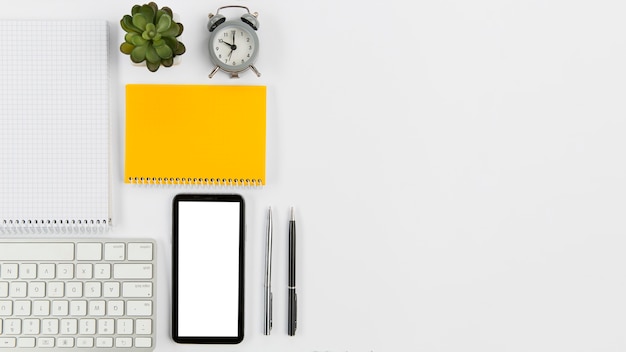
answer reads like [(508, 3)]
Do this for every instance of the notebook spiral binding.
[(233, 182), (53, 226)]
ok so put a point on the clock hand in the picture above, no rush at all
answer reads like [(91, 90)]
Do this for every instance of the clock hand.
[(227, 43), (232, 46)]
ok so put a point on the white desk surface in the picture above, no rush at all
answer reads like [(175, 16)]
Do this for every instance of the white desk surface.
[(457, 169)]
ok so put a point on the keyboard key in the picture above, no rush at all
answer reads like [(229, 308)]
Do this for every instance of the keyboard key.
[(97, 308), (138, 308), (84, 342), (114, 251), (45, 342), (12, 326), (121, 342), (106, 327), (78, 308), (65, 271), (41, 308), (143, 326), (115, 308), (93, 289), (140, 251), (6, 308), (144, 342), (7, 342), (36, 251), (124, 326), (60, 308), (50, 327), (106, 342), (26, 342), (21, 308), (74, 289), (88, 251), (102, 271), (31, 327), (65, 342), (37, 289), (87, 327), (69, 326), (46, 271), (56, 289), (84, 271), (8, 271), (132, 271), (28, 271), (137, 289), (111, 289), (17, 289)]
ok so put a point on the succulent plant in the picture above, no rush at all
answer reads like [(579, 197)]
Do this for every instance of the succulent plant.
[(151, 36)]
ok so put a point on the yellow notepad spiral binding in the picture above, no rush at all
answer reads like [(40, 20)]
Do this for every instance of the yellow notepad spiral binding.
[(195, 135)]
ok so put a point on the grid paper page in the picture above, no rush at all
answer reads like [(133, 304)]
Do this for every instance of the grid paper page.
[(54, 129)]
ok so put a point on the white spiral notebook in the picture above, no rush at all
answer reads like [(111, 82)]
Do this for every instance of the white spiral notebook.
[(54, 126)]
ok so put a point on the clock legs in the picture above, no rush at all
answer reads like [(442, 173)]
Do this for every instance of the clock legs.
[(234, 74), (217, 68), (258, 74)]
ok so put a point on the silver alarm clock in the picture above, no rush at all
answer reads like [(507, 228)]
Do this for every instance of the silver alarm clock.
[(233, 44)]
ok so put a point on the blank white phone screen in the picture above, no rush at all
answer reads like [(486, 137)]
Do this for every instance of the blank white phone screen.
[(208, 268)]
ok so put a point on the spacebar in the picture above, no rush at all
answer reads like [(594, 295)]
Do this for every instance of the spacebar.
[(36, 251)]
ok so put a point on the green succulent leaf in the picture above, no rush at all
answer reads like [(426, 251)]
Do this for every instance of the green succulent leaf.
[(158, 15), (164, 51), (180, 49), (172, 31), (140, 21), (154, 6), (148, 12), (137, 40), (126, 48), (164, 23), (130, 35), (168, 11), (139, 53), (151, 33), (135, 9), (127, 24), (180, 29), (153, 66), (167, 62), (151, 55), (171, 42)]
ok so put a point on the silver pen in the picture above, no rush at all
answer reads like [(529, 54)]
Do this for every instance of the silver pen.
[(268, 276)]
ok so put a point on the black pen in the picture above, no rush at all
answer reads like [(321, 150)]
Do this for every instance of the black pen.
[(292, 322)]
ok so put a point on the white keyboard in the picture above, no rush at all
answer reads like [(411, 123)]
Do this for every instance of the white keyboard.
[(77, 294)]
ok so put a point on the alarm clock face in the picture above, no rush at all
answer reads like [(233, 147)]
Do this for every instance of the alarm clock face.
[(234, 46)]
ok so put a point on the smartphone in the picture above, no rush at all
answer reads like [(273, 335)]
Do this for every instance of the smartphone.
[(208, 268)]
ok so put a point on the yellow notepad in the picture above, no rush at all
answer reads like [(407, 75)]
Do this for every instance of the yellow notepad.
[(195, 134)]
